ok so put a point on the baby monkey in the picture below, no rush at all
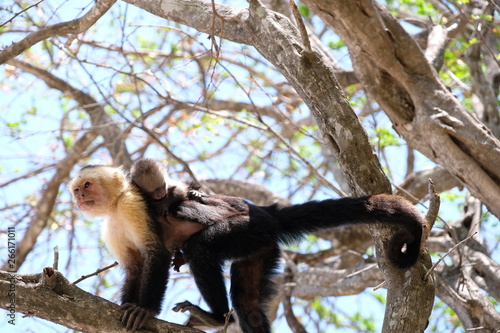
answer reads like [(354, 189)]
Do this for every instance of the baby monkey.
[(163, 194), (159, 190)]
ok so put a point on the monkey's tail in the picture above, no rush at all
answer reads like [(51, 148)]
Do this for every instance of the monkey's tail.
[(403, 247)]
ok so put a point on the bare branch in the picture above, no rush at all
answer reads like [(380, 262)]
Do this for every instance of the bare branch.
[(55, 265), (22, 11), (301, 26), (48, 295), (100, 270), (432, 212), (101, 121), (71, 27), (446, 254)]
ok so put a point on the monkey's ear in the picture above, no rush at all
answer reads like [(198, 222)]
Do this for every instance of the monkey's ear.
[(119, 178)]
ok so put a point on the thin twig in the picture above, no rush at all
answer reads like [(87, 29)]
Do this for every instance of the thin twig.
[(55, 265), (432, 212), (380, 285), (288, 283), (96, 272), (305, 161), (369, 266), (212, 31), (227, 317), (75, 26), (22, 11), (301, 26), (446, 254)]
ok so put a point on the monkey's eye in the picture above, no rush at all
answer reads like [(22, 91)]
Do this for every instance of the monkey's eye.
[(77, 190), (87, 184)]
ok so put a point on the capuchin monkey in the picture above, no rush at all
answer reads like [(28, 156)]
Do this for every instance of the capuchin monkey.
[(143, 245), (158, 189), (249, 236), (160, 193)]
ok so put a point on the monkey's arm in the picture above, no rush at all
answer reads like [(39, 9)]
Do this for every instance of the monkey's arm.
[(145, 286)]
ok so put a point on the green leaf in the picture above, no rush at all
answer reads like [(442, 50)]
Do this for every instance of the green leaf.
[(384, 138), (304, 11)]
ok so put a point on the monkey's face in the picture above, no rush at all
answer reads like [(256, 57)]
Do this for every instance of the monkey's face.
[(94, 189), (89, 195)]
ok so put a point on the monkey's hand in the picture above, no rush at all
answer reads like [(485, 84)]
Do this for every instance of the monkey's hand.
[(199, 318), (135, 317), (195, 194)]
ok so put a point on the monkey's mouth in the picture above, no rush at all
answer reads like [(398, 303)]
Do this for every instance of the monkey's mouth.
[(86, 205)]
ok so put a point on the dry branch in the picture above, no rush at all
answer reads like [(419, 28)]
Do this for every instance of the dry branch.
[(73, 27), (50, 296)]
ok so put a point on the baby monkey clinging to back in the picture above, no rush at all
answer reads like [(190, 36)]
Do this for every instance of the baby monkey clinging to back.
[(158, 189)]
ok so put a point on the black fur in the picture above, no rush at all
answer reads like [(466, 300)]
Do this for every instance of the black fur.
[(252, 227), (231, 229), (249, 236)]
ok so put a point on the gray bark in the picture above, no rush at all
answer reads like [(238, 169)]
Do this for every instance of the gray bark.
[(312, 76)]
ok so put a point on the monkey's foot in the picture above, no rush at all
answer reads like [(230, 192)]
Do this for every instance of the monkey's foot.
[(199, 318), (134, 316)]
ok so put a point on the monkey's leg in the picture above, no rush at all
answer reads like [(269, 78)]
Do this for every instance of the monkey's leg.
[(252, 287), (207, 271)]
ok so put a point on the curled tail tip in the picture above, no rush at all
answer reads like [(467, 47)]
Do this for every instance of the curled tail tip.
[(403, 249)]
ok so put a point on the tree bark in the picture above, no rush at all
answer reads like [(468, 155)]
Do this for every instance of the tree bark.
[(396, 73), (312, 76), (50, 296)]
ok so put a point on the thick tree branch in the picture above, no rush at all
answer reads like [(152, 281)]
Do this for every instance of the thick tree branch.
[(415, 186), (475, 310), (50, 296), (436, 45), (326, 281), (396, 72)]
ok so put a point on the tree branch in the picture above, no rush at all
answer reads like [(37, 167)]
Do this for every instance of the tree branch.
[(101, 121), (76, 26), (50, 296), (388, 61)]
